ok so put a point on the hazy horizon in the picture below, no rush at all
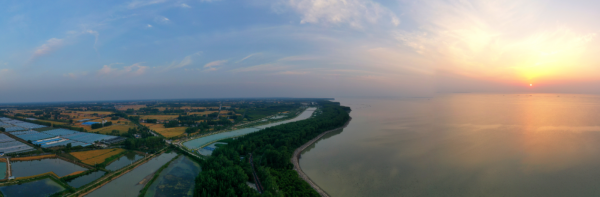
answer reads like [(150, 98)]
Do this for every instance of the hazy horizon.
[(169, 49)]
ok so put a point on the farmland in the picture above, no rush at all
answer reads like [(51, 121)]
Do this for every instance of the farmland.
[(167, 132), (122, 128), (160, 117), (96, 156)]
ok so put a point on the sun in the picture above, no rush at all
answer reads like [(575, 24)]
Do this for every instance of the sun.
[(530, 85)]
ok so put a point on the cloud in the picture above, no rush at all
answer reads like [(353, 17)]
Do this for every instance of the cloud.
[(162, 19), (213, 64), (353, 12), (183, 5), (247, 57), (149, 26), (96, 35), (261, 67), (133, 70), (75, 75), (50, 46), (187, 60), (142, 3)]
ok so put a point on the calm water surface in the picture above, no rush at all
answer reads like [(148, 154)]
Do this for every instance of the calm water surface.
[(82, 180), (123, 161), (34, 167), (127, 185), (40, 188), (463, 145), (175, 180), (196, 143)]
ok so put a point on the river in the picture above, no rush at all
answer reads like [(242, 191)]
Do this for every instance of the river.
[(462, 145)]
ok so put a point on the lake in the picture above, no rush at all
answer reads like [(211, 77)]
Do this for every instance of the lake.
[(34, 167), (40, 188), (127, 185), (198, 142), (175, 180), (462, 145)]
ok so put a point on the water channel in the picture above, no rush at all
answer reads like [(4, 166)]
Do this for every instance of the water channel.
[(83, 180), (128, 184), (123, 161), (196, 143)]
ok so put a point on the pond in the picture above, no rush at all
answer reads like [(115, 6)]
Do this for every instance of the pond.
[(3, 169), (176, 180), (34, 167), (83, 180), (196, 143), (129, 184), (44, 187), (124, 160)]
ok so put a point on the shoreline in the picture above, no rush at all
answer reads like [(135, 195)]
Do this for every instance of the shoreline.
[(295, 160)]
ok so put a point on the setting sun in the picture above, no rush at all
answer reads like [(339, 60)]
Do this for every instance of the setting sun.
[(530, 85)]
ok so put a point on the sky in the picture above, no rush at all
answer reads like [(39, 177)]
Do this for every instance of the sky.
[(70, 50)]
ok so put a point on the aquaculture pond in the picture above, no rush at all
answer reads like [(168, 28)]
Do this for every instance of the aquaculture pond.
[(34, 167), (85, 179), (131, 183), (44, 187), (176, 180), (3, 169), (199, 142), (123, 161)]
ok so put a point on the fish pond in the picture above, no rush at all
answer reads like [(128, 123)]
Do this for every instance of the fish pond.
[(126, 159), (129, 183), (175, 180), (199, 142), (44, 187), (3, 169), (34, 167), (83, 180)]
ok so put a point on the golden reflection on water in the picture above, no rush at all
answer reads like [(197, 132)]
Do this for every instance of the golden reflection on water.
[(464, 145)]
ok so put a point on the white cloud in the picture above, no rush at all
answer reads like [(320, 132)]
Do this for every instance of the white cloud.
[(261, 67), (162, 19), (187, 60), (133, 70), (50, 46), (142, 3), (215, 63), (247, 57), (352, 12), (183, 5), (149, 26)]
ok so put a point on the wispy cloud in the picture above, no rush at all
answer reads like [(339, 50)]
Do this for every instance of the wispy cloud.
[(249, 56), (261, 67), (183, 5), (49, 46), (187, 60), (162, 19), (133, 70), (212, 66), (142, 3), (353, 12)]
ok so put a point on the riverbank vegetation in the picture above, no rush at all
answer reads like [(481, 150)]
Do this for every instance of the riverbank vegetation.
[(226, 172)]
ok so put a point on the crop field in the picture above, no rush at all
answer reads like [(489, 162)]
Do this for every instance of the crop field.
[(160, 117), (189, 107), (32, 158), (125, 107), (167, 132), (108, 130), (92, 157)]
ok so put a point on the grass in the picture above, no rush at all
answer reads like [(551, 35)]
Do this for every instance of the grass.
[(93, 157), (160, 117), (166, 132), (109, 129)]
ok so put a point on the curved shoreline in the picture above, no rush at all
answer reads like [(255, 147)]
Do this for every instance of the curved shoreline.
[(296, 155)]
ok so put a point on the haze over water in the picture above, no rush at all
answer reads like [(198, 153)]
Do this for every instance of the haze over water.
[(463, 145)]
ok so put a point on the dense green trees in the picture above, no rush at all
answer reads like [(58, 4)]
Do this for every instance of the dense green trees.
[(97, 126), (225, 172), (150, 144), (2, 129)]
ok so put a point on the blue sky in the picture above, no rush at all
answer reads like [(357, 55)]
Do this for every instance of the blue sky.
[(103, 50)]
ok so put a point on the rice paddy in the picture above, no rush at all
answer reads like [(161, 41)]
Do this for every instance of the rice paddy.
[(109, 129), (96, 156)]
